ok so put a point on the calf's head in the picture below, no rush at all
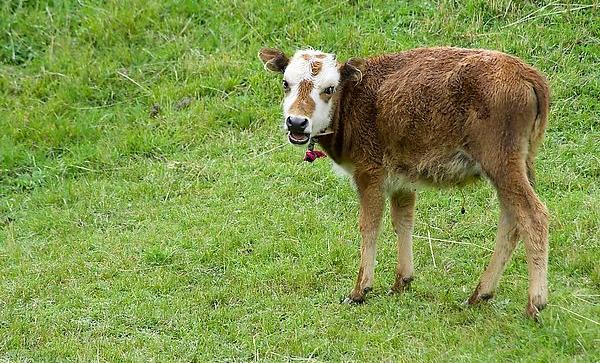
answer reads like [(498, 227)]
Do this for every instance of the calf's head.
[(312, 84)]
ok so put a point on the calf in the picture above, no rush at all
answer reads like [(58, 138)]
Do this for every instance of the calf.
[(430, 116)]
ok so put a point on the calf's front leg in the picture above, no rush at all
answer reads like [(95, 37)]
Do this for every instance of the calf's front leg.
[(402, 209), (371, 196)]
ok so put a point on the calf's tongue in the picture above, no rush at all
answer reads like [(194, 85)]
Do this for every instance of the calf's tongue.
[(298, 137)]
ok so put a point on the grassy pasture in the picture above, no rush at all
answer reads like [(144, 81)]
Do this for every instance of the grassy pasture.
[(190, 231)]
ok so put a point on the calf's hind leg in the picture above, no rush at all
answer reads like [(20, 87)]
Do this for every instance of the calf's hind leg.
[(532, 221), (506, 241), (519, 201)]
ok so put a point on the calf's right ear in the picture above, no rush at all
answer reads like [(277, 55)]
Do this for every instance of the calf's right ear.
[(273, 59), (353, 69)]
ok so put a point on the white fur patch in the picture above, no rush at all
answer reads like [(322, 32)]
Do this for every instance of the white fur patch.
[(343, 170), (396, 182)]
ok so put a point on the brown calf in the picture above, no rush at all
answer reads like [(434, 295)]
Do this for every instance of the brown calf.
[(431, 116)]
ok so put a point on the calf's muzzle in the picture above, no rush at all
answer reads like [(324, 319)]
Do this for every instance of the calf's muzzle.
[(296, 124)]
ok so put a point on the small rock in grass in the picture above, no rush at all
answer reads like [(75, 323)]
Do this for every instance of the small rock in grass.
[(183, 103), (155, 110)]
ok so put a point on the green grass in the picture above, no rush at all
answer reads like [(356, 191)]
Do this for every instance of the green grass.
[(199, 235)]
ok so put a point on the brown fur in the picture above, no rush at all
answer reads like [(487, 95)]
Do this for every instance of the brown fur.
[(315, 68), (444, 117), (304, 104)]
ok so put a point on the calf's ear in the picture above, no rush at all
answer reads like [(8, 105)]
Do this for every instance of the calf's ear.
[(353, 69), (273, 59)]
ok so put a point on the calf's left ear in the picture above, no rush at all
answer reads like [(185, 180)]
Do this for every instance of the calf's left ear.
[(273, 59), (353, 69)]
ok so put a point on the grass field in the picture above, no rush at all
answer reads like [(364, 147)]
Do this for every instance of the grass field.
[(192, 232)]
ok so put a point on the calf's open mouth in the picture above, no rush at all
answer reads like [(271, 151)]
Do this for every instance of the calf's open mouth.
[(298, 139)]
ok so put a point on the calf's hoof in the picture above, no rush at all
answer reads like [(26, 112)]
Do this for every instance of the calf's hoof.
[(357, 296), (479, 296), (402, 284), (534, 306)]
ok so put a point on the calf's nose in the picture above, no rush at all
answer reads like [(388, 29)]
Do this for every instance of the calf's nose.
[(296, 124)]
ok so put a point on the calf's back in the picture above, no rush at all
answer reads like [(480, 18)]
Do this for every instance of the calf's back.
[(439, 115)]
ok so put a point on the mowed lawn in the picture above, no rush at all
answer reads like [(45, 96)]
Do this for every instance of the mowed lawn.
[(151, 209)]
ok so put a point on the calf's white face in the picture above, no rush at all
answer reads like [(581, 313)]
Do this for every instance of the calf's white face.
[(312, 82), (309, 82), (310, 79)]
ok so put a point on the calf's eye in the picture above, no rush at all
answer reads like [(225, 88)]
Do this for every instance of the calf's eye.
[(329, 90)]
